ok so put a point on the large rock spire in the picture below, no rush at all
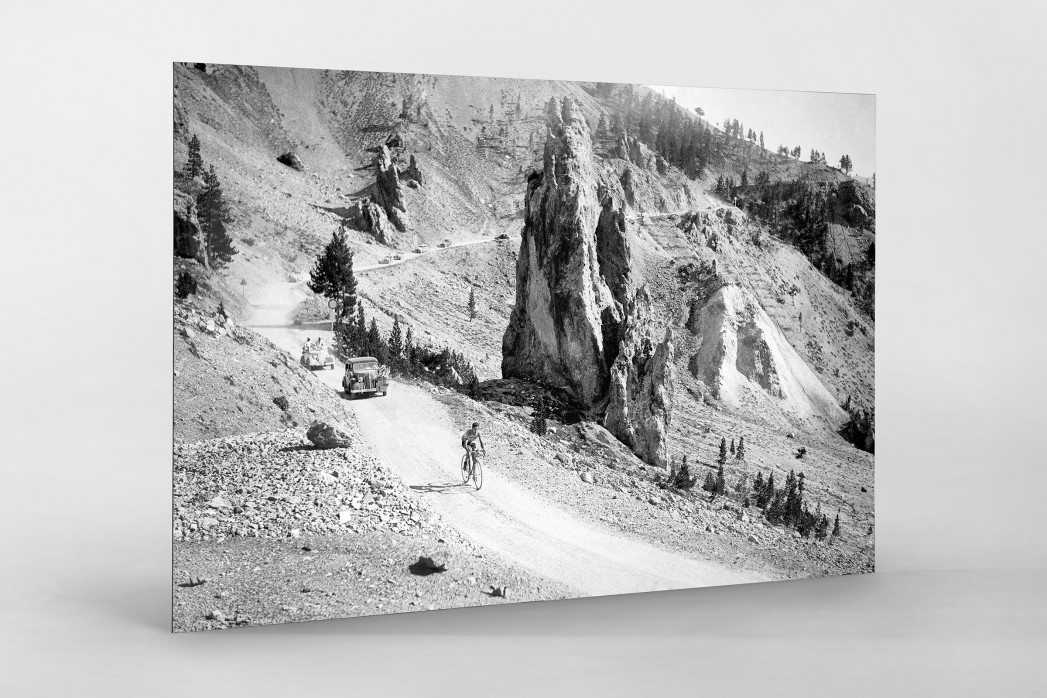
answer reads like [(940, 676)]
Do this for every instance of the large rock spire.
[(576, 304)]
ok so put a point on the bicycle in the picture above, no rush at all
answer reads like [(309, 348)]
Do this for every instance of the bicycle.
[(472, 469)]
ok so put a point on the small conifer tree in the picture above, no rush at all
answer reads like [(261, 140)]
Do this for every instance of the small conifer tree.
[(723, 451), (538, 425), (213, 213), (194, 166), (332, 275), (185, 286), (396, 343), (472, 303)]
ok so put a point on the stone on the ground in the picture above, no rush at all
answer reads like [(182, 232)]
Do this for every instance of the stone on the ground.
[(220, 502), (323, 435)]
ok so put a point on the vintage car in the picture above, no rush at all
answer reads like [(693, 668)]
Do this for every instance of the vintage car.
[(364, 376), (503, 236), (316, 359), (384, 260), (445, 243), (398, 257)]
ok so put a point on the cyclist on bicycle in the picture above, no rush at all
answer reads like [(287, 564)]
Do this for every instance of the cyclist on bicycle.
[(470, 437)]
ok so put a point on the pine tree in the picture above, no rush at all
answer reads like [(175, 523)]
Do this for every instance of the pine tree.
[(538, 425), (472, 303), (396, 343), (194, 166), (185, 285), (332, 275), (376, 346), (474, 388), (723, 451), (721, 482), (213, 213), (409, 350), (681, 479), (361, 346), (740, 454), (836, 526), (732, 446), (602, 131)]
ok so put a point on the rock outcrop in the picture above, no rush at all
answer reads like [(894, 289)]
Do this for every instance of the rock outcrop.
[(188, 237), (639, 405), (412, 172), (744, 358), (388, 192), (627, 187), (565, 314), (368, 216), (181, 121), (576, 302), (632, 150)]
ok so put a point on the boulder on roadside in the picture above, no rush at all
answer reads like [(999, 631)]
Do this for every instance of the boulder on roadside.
[(426, 565), (323, 435), (291, 159)]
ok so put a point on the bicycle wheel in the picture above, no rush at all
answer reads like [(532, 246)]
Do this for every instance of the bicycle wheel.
[(478, 473), (466, 474)]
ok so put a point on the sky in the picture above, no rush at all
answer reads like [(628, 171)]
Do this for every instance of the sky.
[(835, 123)]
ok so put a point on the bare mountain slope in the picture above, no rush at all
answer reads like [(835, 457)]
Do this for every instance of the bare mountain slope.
[(787, 345)]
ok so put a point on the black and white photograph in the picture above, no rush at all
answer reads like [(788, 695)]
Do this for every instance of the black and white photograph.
[(522, 350), (449, 341)]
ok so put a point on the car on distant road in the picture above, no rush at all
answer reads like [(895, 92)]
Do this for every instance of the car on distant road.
[(384, 260), (365, 376), (315, 358), (445, 243), (503, 236), (398, 256)]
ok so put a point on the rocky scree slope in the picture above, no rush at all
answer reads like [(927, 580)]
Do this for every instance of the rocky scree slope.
[(759, 329), (228, 381), (268, 529), (460, 147)]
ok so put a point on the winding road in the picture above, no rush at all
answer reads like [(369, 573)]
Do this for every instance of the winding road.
[(416, 438)]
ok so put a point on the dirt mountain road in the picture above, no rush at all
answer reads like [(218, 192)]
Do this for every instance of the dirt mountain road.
[(413, 434)]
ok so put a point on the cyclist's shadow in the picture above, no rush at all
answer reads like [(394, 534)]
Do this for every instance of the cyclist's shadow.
[(439, 487)]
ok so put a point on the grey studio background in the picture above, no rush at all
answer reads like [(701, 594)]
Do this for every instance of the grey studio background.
[(957, 602)]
